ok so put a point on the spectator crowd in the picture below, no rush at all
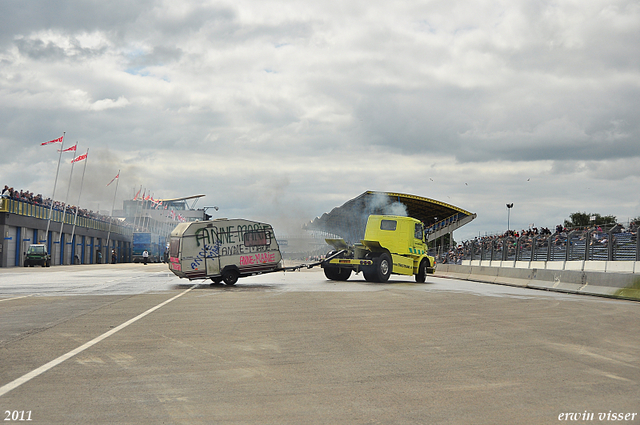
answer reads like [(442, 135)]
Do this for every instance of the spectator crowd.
[(457, 254), (28, 197)]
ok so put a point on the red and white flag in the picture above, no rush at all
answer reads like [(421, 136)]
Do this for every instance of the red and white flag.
[(79, 158), (113, 179), (58, 140), (71, 149), (137, 194)]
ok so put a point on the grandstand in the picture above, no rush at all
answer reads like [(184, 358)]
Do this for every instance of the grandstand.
[(349, 220)]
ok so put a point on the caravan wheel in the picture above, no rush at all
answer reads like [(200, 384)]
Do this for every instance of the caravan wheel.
[(230, 277)]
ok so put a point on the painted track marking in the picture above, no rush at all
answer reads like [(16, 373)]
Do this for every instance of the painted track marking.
[(42, 369)]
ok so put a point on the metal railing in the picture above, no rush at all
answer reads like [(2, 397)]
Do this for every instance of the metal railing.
[(575, 245), (42, 212)]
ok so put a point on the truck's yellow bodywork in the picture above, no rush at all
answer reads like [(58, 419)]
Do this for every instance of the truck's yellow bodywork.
[(401, 239)]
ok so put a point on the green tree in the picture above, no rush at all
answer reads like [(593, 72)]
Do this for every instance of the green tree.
[(583, 219)]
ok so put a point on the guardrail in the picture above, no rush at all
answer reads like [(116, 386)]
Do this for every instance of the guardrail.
[(616, 284), (576, 245), (42, 212)]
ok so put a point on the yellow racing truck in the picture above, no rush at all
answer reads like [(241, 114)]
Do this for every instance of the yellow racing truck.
[(391, 244)]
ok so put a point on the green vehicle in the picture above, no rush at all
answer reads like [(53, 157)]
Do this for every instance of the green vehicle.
[(37, 254)]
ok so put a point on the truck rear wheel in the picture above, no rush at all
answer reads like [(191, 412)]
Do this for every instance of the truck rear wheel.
[(421, 277), (369, 276), (337, 273), (383, 267)]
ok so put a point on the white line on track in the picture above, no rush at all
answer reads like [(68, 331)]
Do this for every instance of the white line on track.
[(42, 369), (17, 298)]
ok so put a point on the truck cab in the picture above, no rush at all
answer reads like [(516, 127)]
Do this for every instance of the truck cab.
[(391, 244)]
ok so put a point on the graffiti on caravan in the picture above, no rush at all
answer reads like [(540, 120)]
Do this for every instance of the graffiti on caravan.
[(236, 240), (207, 251)]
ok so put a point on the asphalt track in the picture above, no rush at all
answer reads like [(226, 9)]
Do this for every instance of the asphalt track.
[(132, 344)]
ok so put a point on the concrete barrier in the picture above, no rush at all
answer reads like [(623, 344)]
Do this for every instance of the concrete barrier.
[(621, 266), (513, 276), (609, 284)]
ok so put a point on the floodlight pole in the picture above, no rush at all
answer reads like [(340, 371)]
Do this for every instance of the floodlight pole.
[(509, 206)]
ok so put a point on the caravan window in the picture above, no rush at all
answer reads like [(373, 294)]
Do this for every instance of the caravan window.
[(174, 247), (257, 238)]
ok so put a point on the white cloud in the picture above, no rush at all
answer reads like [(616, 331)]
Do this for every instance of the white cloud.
[(103, 104), (279, 106)]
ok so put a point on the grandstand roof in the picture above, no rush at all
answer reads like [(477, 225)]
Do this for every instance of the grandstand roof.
[(349, 220), (184, 198)]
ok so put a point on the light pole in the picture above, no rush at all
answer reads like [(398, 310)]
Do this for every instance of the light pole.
[(509, 206)]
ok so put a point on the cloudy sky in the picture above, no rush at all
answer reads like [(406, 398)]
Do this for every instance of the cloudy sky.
[(282, 110)]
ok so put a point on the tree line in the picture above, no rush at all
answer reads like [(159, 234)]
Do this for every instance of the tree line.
[(583, 219)]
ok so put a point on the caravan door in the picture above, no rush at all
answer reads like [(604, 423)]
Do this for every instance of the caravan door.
[(212, 259)]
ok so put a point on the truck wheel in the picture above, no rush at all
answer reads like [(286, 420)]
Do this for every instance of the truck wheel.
[(230, 277), (369, 276), (337, 273), (383, 267), (369, 272), (422, 271)]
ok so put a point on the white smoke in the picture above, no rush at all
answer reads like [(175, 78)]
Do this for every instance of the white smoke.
[(381, 203)]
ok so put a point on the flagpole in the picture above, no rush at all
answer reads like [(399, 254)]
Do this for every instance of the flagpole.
[(55, 182), (141, 219), (112, 207), (135, 212), (75, 218), (64, 206)]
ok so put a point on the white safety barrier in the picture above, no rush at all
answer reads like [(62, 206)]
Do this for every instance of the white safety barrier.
[(580, 277)]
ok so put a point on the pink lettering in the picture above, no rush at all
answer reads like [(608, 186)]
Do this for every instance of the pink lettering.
[(265, 257)]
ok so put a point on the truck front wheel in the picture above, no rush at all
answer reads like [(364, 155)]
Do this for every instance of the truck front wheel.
[(421, 277)]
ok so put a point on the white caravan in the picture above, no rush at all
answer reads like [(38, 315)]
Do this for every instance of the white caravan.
[(223, 250)]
